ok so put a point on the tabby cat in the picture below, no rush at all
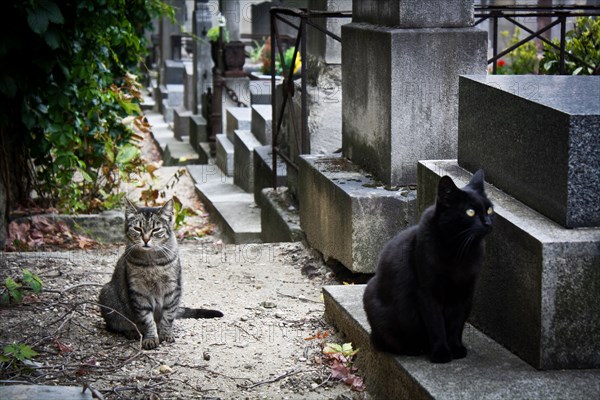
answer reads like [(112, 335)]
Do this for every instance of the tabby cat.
[(146, 283), (422, 292)]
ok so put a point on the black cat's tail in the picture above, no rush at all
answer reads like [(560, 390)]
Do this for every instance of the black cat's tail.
[(185, 312)]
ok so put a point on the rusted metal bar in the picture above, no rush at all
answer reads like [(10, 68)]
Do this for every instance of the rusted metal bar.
[(563, 37)]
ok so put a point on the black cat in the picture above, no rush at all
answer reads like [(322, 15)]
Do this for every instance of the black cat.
[(422, 292)]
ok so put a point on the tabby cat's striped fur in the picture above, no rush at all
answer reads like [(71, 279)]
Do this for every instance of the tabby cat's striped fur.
[(146, 283)]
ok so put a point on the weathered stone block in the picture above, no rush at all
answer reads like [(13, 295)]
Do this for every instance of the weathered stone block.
[(181, 122), (280, 219), (243, 159), (174, 71), (262, 116), (538, 138), (238, 118), (198, 132), (539, 287), (263, 171), (414, 13), (346, 214), (188, 84), (260, 92), (225, 154), (400, 95)]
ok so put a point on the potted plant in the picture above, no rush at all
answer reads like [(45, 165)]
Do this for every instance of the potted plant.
[(213, 38), (234, 54)]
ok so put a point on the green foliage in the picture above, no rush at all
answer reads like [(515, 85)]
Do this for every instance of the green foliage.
[(288, 57), (583, 42), (255, 54), (213, 34), (17, 352), (13, 289), (67, 86), (522, 60), (345, 349)]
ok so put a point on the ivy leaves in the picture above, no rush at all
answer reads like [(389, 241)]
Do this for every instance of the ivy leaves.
[(67, 77)]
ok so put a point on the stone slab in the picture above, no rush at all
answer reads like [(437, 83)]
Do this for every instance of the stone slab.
[(488, 372), (541, 146), (238, 118), (414, 13), (225, 152), (188, 85), (29, 392), (400, 95), (179, 153), (230, 208), (263, 171), (260, 91), (261, 126), (198, 131), (174, 72), (181, 123), (540, 283), (280, 218), (243, 159), (346, 214)]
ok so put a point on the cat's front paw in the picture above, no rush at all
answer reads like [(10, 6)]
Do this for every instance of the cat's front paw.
[(167, 338), (150, 343), (459, 352), (441, 355)]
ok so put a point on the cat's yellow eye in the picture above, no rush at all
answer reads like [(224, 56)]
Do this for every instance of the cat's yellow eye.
[(470, 212), (490, 211)]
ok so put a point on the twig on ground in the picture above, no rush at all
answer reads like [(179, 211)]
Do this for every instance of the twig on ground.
[(298, 298), (272, 380)]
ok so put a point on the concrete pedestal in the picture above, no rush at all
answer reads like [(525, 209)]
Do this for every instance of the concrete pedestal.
[(400, 94)]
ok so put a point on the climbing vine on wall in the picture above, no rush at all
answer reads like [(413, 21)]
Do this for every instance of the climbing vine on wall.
[(69, 96)]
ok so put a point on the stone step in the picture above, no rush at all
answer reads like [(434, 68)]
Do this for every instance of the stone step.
[(230, 208), (262, 116), (346, 214), (225, 152), (179, 153), (263, 171), (148, 104), (204, 154), (488, 372), (243, 159), (280, 218), (238, 118), (538, 290)]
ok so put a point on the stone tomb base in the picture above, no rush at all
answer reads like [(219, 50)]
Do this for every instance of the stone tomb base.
[(346, 214), (488, 372), (539, 290)]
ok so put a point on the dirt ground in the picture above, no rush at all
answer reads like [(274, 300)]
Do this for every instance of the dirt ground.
[(268, 345), (270, 295)]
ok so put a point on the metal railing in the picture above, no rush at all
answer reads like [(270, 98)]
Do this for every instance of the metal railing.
[(510, 13), (306, 18), (482, 13)]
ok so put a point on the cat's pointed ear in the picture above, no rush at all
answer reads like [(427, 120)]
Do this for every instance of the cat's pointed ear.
[(166, 211), (477, 181), (130, 208), (446, 190)]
